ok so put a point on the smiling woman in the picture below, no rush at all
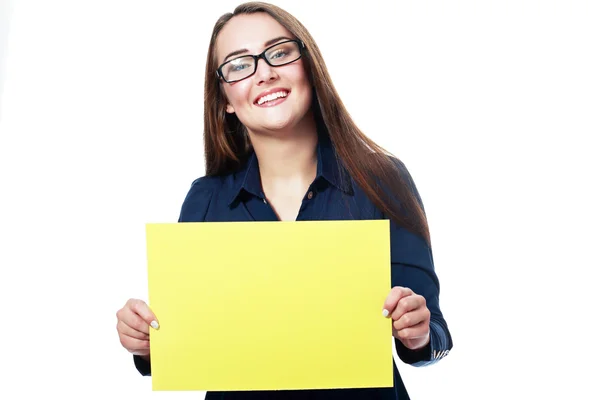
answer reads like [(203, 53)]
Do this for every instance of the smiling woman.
[(283, 71), (279, 145)]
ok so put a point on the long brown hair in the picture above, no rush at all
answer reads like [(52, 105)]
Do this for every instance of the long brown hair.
[(226, 144)]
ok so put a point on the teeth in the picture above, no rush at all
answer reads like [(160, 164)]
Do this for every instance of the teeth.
[(271, 97)]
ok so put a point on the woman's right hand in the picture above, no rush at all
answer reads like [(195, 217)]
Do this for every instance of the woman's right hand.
[(133, 325)]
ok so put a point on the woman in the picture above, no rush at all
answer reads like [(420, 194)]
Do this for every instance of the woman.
[(279, 145)]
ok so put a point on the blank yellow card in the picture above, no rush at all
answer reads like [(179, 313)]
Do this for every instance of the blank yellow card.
[(269, 305)]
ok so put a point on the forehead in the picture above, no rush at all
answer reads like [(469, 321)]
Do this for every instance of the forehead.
[(248, 31)]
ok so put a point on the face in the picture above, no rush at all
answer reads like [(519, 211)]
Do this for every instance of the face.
[(287, 87)]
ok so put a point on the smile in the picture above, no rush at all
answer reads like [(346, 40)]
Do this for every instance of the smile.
[(272, 98)]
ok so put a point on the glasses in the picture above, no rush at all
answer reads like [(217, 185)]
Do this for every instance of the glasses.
[(245, 66)]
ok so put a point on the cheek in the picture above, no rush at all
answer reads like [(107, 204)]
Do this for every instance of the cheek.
[(301, 73), (301, 80), (305, 90), (237, 93)]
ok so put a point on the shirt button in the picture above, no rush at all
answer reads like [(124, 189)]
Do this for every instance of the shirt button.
[(265, 201), (310, 195)]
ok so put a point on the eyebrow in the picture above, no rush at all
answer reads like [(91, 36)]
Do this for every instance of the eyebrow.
[(267, 44)]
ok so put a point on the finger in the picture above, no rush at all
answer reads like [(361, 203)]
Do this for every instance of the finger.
[(413, 332), (393, 297), (411, 319), (407, 304), (126, 330), (135, 346), (142, 309), (134, 321)]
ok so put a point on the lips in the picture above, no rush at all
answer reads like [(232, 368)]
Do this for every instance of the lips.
[(271, 95)]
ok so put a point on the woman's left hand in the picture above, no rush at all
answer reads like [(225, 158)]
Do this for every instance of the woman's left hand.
[(410, 317)]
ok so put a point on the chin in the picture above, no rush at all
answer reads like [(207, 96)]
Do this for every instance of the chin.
[(278, 123), (273, 123)]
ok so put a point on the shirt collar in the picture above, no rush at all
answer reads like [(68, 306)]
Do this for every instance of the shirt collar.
[(329, 168)]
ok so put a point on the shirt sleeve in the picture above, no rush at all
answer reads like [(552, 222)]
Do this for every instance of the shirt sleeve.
[(413, 267), (194, 208), (142, 366)]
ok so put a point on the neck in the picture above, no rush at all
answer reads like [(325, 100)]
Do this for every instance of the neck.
[(287, 156)]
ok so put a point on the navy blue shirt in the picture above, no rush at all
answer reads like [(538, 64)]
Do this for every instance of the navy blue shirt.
[(333, 195)]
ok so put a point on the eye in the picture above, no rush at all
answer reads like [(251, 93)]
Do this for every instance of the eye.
[(279, 53), (239, 64), (239, 67)]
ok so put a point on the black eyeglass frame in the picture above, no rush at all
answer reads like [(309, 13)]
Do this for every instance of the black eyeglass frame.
[(262, 55)]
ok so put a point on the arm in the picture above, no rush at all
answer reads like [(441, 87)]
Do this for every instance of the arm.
[(413, 268)]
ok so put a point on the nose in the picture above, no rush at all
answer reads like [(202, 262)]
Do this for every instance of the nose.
[(264, 72)]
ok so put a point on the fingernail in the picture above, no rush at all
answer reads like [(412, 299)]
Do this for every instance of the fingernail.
[(385, 313), (154, 324)]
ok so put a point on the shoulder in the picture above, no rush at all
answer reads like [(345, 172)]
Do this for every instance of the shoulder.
[(199, 197), (400, 168), (387, 161), (394, 175), (207, 183), (406, 177)]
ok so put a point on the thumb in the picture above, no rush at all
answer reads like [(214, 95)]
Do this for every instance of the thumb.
[(142, 309)]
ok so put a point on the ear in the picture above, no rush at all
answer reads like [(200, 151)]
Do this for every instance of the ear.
[(229, 109)]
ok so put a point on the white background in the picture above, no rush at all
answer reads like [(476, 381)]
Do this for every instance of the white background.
[(493, 106)]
